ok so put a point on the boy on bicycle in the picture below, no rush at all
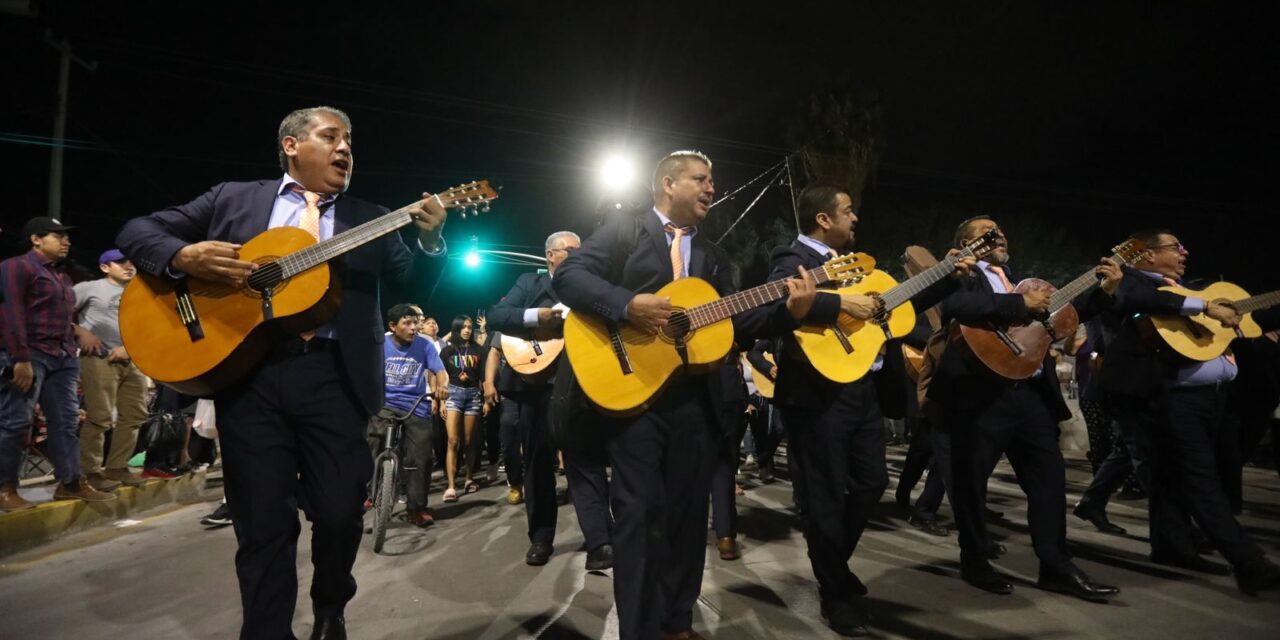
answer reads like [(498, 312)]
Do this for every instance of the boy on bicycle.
[(408, 359)]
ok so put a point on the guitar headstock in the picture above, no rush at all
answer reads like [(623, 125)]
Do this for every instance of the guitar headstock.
[(472, 196), (1129, 251), (850, 267), (980, 246)]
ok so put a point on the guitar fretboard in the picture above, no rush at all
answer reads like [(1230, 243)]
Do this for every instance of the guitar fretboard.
[(1263, 301), (1086, 281), (322, 252), (899, 295), (735, 303)]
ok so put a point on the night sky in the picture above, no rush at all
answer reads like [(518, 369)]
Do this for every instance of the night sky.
[(1071, 123)]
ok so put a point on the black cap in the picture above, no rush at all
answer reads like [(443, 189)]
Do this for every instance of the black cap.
[(43, 225)]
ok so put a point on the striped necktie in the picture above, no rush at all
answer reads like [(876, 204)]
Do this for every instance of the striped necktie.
[(677, 253)]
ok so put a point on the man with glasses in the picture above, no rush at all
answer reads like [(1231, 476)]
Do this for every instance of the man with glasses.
[(1169, 410)]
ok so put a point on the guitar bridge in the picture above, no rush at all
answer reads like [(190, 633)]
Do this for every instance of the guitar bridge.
[(844, 339), (620, 351), (187, 311)]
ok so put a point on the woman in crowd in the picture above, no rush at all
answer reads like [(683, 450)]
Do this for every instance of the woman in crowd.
[(462, 361)]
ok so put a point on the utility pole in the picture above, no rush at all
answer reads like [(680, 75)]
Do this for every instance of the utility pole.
[(60, 119)]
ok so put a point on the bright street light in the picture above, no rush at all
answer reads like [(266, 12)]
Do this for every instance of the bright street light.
[(617, 172)]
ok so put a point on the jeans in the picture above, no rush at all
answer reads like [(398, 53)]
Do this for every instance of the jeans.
[(55, 389)]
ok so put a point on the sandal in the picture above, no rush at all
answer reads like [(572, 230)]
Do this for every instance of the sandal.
[(450, 495), (470, 487)]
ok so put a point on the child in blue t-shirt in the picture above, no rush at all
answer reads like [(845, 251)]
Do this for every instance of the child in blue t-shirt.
[(412, 368)]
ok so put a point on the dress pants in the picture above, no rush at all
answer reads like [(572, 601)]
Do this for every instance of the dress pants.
[(1016, 421), (919, 456), (1130, 454), (584, 468), (293, 435), (724, 501), (512, 454), (842, 458), (1184, 463), (938, 484), (662, 461), (540, 462)]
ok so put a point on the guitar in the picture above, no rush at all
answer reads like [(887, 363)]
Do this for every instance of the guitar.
[(915, 260), (1202, 338), (844, 351), (764, 384), (622, 369), (531, 358), (1016, 352), (197, 336)]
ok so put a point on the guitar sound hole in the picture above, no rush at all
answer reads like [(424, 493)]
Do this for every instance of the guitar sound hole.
[(269, 275), (679, 327)]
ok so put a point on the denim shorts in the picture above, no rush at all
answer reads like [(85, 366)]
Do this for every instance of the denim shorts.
[(465, 400)]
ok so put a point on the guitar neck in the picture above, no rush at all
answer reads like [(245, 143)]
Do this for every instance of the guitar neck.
[(324, 251), (900, 294), (735, 303), (1086, 281), (1264, 301)]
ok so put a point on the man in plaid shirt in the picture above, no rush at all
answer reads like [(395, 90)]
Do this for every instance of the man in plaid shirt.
[(39, 348)]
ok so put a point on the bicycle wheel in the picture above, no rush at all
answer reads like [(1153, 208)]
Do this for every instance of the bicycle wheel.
[(383, 502)]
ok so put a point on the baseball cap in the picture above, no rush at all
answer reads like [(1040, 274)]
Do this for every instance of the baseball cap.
[(43, 225), (111, 255)]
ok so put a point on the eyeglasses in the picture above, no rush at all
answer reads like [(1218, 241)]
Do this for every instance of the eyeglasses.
[(1172, 245)]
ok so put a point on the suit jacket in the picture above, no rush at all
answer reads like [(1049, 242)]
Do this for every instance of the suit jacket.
[(609, 269), (799, 384), (531, 291), (960, 379), (1135, 365), (238, 211)]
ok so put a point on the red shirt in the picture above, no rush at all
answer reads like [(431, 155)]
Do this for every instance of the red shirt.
[(38, 307)]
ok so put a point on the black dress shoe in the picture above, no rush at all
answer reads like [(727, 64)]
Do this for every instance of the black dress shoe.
[(600, 558), (857, 588), (993, 515), (844, 619), (1259, 575), (1191, 562), (928, 523), (1097, 518), (538, 555), (988, 580), (903, 498), (1074, 582), (995, 550), (330, 628)]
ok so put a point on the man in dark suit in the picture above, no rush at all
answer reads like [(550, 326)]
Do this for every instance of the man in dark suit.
[(292, 431), (988, 416), (1174, 407), (836, 430), (662, 458), (532, 309)]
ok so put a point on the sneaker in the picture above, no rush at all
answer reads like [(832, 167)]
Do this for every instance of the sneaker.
[(159, 473), (220, 517), (79, 489), (515, 495), (421, 518), (101, 482)]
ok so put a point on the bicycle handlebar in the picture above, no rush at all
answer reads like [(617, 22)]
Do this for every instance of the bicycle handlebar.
[(397, 417)]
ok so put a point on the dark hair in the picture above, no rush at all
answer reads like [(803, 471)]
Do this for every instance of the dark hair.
[(431, 318), (455, 331), (399, 312), (1150, 236), (963, 230), (819, 197)]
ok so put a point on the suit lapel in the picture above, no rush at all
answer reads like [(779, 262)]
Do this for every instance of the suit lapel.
[(658, 237), (699, 258), (811, 257), (342, 213), (545, 281), (261, 204)]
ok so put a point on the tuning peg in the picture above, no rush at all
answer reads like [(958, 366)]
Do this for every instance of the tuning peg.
[(485, 208), (463, 212)]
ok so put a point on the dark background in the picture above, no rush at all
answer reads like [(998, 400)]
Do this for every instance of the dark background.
[(1072, 124)]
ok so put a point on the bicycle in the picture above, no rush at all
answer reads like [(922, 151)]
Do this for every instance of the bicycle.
[(386, 474)]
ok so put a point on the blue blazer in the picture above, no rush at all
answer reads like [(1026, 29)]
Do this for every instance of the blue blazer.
[(238, 211)]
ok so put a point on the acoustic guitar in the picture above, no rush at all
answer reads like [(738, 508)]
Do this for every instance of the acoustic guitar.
[(198, 336), (764, 384), (622, 369), (531, 358), (1202, 338), (915, 260), (1017, 351), (844, 351)]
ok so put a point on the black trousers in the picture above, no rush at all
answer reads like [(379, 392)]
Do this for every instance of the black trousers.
[(540, 462), (1017, 422), (293, 435), (724, 501), (938, 484), (662, 462), (512, 453), (1184, 465), (766, 430), (919, 458), (842, 459), (1130, 454), (584, 468)]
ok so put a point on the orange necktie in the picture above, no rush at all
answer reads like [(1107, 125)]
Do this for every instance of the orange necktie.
[(999, 271), (310, 219), (677, 256)]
